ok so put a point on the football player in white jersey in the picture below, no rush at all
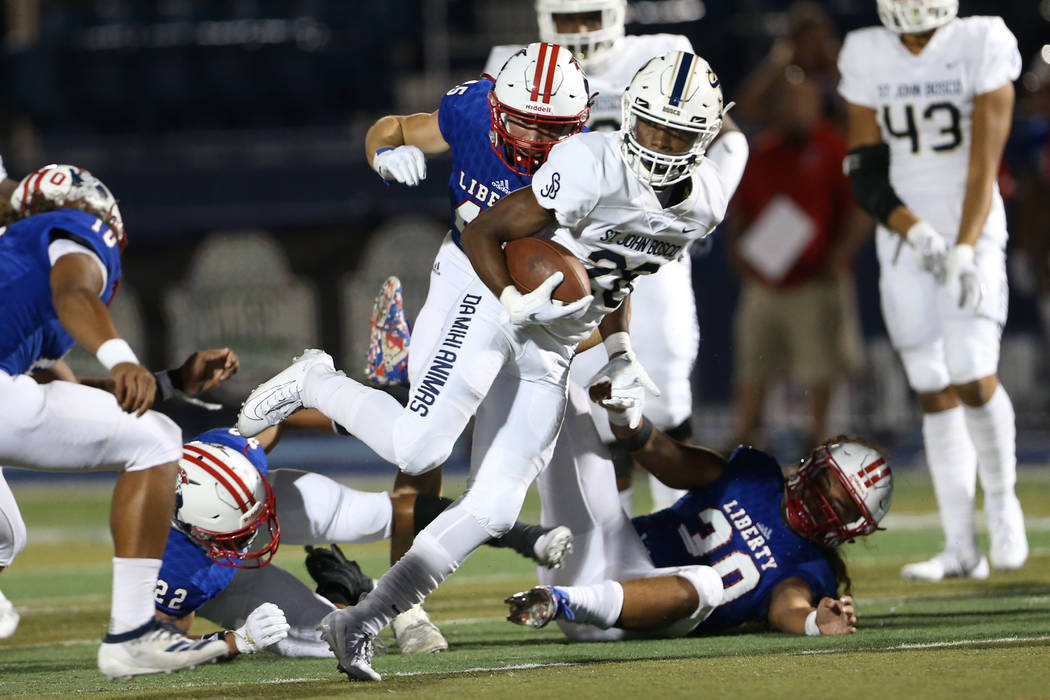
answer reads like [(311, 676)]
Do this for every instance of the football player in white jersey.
[(930, 98), (663, 303), (624, 202)]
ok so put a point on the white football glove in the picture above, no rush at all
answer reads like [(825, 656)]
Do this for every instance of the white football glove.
[(960, 268), (929, 246), (405, 164), (266, 625), (628, 383), (537, 306)]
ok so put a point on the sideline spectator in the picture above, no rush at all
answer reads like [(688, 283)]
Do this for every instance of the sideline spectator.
[(794, 232)]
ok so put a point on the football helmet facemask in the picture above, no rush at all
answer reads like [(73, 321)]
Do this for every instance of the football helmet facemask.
[(225, 506), (865, 476), (916, 16), (62, 185), (541, 91), (591, 46), (678, 92)]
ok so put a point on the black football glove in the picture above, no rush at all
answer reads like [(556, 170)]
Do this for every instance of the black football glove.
[(338, 579)]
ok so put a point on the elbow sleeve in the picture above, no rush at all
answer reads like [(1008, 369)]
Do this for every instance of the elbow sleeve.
[(868, 168)]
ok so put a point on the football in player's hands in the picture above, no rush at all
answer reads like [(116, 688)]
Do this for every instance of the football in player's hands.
[(531, 260)]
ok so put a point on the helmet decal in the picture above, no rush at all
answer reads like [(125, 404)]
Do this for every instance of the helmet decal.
[(226, 506)]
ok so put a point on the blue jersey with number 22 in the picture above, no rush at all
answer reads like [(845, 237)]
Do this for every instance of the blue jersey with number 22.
[(188, 578)]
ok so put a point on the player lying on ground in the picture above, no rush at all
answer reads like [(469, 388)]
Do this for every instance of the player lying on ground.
[(765, 544), (505, 356), (230, 516), (60, 264)]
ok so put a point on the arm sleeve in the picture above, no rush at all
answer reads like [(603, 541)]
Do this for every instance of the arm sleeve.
[(3, 173), (854, 86), (569, 183), (64, 246), (1000, 61)]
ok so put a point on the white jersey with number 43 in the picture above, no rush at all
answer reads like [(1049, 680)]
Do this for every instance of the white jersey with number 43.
[(614, 74), (613, 222), (924, 106)]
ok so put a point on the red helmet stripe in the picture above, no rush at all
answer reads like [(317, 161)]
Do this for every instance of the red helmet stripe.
[(539, 72), (198, 456), (36, 186), (552, 66), (871, 467)]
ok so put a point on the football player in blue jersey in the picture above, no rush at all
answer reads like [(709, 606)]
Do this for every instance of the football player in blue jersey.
[(232, 511), (60, 251), (772, 540)]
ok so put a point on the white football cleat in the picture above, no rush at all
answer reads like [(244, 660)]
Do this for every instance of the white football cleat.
[(156, 647), (945, 565), (277, 398), (416, 634), (8, 617), (353, 650), (553, 546), (1008, 544)]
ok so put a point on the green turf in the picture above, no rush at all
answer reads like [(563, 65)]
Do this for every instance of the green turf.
[(952, 639)]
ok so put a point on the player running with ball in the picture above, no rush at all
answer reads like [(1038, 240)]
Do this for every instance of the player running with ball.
[(623, 203)]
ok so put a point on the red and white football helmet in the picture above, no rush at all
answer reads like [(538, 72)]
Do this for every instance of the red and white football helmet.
[(676, 91), (62, 184), (593, 46), (540, 89), (916, 16), (865, 475), (225, 505)]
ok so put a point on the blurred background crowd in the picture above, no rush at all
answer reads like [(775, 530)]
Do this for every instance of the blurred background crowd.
[(233, 133)]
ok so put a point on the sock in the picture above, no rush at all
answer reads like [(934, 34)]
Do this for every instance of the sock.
[(992, 431), (597, 604), (436, 552), (368, 414), (521, 538), (134, 581), (953, 467)]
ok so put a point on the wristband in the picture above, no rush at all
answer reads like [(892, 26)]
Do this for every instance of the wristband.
[(617, 342), (114, 351), (637, 441), (214, 636), (811, 625), (165, 387)]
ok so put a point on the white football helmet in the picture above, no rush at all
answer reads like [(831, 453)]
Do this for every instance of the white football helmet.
[(541, 93), (590, 46), (66, 184), (224, 505), (678, 91), (916, 16), (865, 475)]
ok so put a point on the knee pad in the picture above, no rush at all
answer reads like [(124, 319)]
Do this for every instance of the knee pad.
[(496, 502), (419, 451), (153, 440), (925, 367)]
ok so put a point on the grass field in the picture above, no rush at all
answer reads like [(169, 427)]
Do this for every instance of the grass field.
[(952, 640)]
